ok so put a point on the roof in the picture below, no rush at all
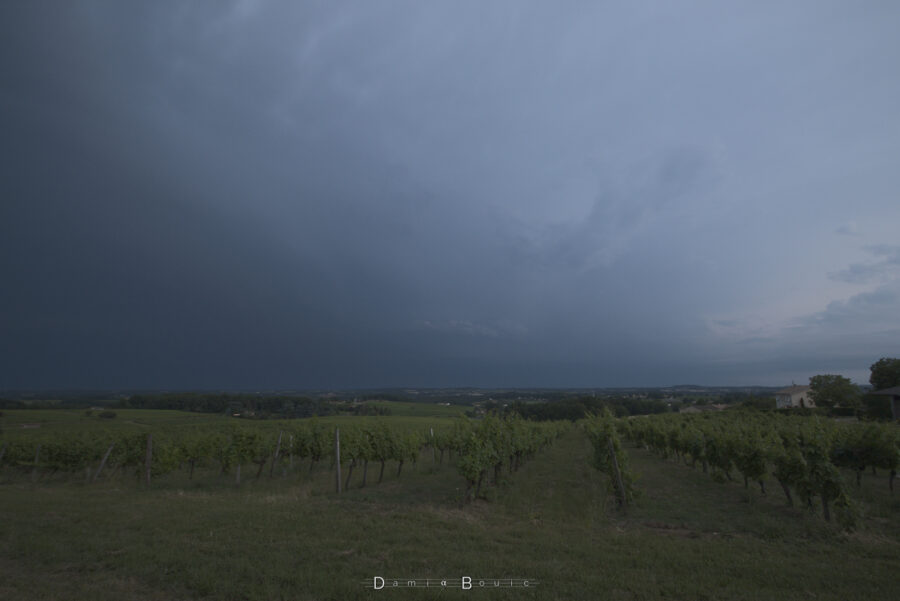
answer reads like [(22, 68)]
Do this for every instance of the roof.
[(792, 390), (895, 391)]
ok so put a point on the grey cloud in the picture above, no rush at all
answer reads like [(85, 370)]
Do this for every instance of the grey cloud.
[(655, 190), (888, 268), (846, 337), (468, 328), (871, 312), (847, 229)]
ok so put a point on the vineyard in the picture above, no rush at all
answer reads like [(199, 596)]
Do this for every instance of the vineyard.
[(281, 448), (170, 505), (801, 454)]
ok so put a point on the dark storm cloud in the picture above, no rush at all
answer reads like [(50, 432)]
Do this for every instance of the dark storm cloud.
[(284, 194)]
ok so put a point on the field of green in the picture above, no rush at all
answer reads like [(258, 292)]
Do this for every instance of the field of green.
[(81, 419), (290, 536), (421, 409), (39, 421)]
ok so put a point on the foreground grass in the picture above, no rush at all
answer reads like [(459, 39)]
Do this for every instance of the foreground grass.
[(291, 538)]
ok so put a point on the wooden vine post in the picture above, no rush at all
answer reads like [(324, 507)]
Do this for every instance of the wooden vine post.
[(34, 470), (619, 483), (148, 459), (337, 457), (291, 453), (277, 453), (103, 462)]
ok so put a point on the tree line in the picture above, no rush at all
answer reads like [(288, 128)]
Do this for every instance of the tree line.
[(574, 409), (249, 405)]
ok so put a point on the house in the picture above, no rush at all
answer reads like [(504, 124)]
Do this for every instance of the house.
[(894, 395), (793, 396)]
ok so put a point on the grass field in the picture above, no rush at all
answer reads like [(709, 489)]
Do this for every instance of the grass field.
[(422, 409), (292, 537), (38, 421)]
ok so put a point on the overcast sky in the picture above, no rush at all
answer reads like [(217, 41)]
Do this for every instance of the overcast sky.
[(506, 193)]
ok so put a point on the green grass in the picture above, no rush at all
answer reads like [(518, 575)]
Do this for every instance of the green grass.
[(292, 538), (421, 409), (421, 423), (62, 420), (27, 422)]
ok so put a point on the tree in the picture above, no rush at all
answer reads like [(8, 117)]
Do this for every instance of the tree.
[(885, 373), (829, 390), (758, 402)]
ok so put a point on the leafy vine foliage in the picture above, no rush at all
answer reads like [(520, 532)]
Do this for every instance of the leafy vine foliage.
[(610, 457), (486, 447), (803, 454), (482, 448)]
